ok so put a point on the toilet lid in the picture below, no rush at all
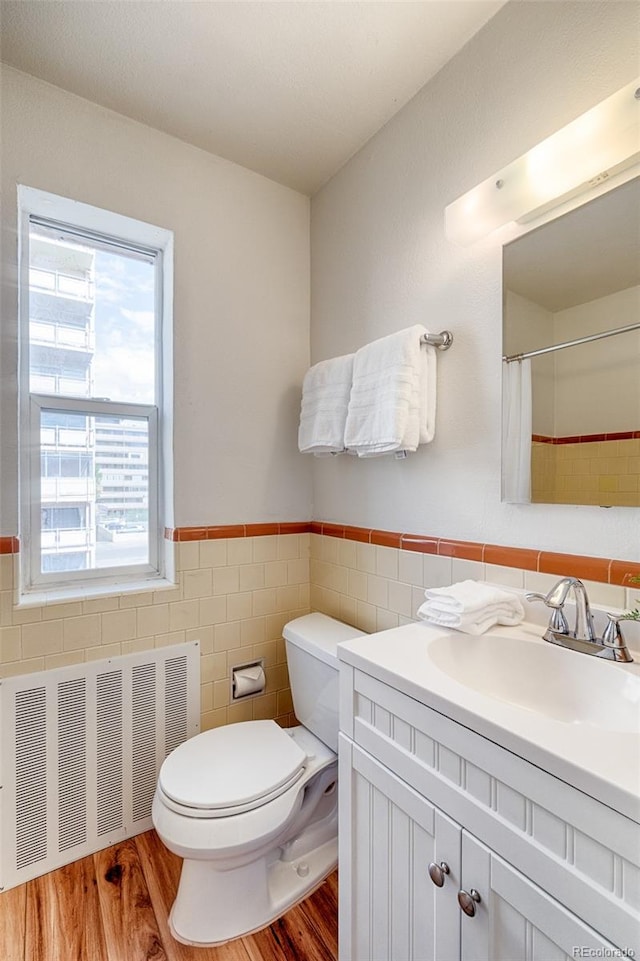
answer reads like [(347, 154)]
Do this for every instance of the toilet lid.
[(233, 766)]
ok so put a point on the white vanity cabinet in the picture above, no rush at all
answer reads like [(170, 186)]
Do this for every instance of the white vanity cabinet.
[(517, 921), (557, 872), (389, 907)]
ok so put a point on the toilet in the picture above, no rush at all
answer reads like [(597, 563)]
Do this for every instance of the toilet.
[(252, 808)]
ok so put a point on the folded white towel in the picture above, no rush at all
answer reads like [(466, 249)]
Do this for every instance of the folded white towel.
[(476, 623), (470, 596), (325, 399), (471, 607), (392, 403)]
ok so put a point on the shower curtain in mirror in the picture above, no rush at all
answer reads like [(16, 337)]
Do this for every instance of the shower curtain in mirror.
[(516, 432)]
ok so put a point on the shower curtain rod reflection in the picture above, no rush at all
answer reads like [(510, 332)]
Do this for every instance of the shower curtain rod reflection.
[(571, 343)]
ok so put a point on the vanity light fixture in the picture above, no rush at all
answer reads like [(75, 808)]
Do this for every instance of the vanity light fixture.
[(597, 145)]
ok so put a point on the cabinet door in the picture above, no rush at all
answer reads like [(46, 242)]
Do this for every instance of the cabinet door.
[(515, 919), (390, 909)]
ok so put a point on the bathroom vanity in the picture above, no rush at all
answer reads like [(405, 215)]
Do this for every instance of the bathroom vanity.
[(489, 799)]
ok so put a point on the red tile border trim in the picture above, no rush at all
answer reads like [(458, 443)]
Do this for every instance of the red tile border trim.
[(606, 570), (219, 531), (9, 545), (601, 569), (386, 538), (586, 438)]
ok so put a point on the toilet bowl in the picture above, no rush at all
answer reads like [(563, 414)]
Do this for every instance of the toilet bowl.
[(252, 807)]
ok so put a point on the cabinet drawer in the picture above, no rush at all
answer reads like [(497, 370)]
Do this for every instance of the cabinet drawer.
[(583, 853)]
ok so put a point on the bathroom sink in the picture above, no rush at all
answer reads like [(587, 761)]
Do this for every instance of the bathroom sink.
[(573, 715), (532, 674)]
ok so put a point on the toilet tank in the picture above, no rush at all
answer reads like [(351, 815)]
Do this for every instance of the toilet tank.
[(312, 657)]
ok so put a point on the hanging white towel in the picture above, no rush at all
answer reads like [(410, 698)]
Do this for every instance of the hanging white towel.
[(428, 375), (471, 607), (393, 399), (325, 399), (516, 431)]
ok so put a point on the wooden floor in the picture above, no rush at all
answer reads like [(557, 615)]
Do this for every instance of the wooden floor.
[(114, 905)]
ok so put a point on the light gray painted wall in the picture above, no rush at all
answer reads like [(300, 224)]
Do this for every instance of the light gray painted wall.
[(241, 310), (380, 262)]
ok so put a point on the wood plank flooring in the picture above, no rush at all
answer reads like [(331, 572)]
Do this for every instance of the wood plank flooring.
[(114, 906)]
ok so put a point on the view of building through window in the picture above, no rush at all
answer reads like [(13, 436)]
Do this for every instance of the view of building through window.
[(92, 315)]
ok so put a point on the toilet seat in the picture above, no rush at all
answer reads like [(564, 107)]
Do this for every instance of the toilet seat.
[(197, 834), (231, 769)]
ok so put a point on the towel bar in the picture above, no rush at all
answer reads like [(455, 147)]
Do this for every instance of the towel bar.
[(442, 341)]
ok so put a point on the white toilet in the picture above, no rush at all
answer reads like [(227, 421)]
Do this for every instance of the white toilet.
[(252, 807)]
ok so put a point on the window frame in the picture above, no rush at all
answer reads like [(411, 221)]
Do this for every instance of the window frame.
[(113, 230)]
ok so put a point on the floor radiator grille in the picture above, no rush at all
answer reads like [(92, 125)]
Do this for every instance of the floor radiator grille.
[(81, 748)]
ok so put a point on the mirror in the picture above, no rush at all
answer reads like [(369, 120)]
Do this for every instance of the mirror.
[(571, 416)]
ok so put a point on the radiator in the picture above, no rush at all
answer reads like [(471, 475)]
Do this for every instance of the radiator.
[(80, 752)]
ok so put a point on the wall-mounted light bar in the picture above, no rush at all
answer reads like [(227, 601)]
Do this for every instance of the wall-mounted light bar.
[(601, 143)]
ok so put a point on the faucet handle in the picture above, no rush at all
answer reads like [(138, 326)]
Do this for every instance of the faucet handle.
[(612, 631), (553, 600), (612, 637)]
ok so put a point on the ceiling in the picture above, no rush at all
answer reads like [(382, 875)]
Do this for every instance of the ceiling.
[(587, 254), (289, 89)]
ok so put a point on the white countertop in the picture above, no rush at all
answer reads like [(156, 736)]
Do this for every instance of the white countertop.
[(599, 760)]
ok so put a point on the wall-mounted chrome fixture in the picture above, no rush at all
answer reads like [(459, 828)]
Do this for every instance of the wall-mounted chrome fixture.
[(442, 341), (602, 142)]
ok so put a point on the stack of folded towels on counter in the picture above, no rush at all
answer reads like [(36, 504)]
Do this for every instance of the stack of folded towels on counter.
[(471, 607)]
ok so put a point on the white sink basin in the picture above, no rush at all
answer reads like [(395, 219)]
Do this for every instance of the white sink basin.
[(563, 685), (574, 715)]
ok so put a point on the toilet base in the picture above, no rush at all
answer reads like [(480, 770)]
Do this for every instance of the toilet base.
[(214, 906)]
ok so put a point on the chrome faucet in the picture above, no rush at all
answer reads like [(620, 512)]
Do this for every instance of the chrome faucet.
[(556, 599), (583, 637)]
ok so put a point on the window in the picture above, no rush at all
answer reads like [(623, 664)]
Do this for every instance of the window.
[(91, 308)]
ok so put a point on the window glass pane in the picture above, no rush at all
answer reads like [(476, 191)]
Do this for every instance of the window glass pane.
[(122, 495), (63, 517), (91, 318), (59, 418), (94, 491), (68, 561)]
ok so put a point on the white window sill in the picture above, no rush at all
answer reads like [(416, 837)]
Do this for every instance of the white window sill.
[(64, 595)]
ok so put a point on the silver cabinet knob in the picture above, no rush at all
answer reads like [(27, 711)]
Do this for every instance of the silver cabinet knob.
[(468, 900), (437, 872)]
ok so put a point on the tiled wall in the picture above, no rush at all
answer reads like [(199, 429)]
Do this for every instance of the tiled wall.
[(238, 586), (586, 471), (375, 586), (233, 595)]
